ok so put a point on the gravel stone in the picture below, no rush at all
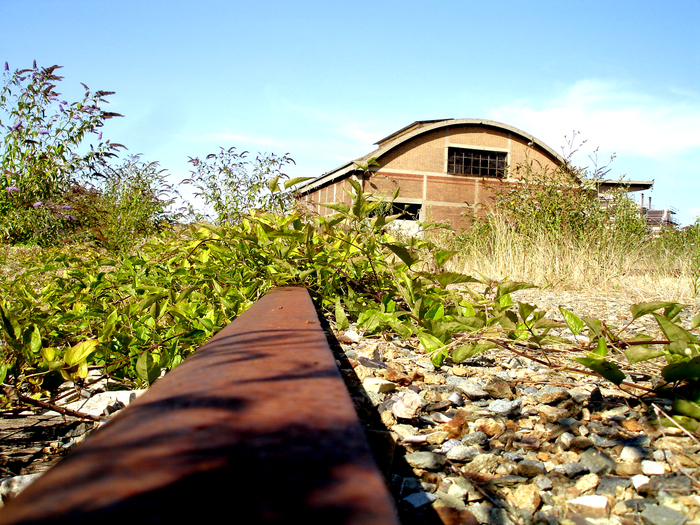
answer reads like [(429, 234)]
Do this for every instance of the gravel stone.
[(462, 453), (425, 460), (597, 462), (467, 387), (657, 515), (652, 468), (593, 506), (505, 408), (420, 499), (530, 468), (475, 438)]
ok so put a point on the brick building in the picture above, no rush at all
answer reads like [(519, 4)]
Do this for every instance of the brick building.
[(446, 170)]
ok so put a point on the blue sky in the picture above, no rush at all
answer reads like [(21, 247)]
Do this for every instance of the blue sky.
[(323, 81)]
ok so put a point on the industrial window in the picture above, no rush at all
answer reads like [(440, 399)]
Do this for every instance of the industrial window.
[(478, 163)]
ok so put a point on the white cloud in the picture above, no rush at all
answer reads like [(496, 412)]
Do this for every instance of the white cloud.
[(613, 118)]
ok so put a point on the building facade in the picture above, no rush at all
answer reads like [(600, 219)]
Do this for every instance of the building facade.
[(446, 170)]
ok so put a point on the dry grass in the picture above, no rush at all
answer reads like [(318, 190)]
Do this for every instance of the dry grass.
[(644, 270)]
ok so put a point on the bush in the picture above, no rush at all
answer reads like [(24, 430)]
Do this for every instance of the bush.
[(232, 186), (44, 171)]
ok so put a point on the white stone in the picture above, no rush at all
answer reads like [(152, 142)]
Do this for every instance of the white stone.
[(593, 506), (96, 405), (377, 384), (639, 481), (652, 468), (353, 336), (408, 406), (632, 454), (10, 487), (457, 491)]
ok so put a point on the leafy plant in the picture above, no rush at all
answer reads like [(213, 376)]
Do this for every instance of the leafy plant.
[(232, 186), (44, 169)]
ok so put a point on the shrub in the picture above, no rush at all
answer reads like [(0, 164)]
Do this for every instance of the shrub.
[(232, 186), (44, 170)]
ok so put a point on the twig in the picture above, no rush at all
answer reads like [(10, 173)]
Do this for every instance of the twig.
[(61, 410)]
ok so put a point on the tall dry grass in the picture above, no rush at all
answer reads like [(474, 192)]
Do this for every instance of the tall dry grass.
[(562, 238), (647, 270)]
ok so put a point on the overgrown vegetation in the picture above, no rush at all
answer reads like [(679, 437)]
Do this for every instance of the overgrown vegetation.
[(558, 230), (132, 314)]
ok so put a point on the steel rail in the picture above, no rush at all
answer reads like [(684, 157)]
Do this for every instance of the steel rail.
[(255, 427)]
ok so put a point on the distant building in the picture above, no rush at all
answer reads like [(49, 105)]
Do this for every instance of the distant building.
[(446, 170)]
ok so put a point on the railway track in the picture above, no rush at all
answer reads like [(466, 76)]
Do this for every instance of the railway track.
[(256, 427)]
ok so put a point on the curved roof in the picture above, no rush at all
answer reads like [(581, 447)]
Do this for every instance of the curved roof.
[(411, 131)]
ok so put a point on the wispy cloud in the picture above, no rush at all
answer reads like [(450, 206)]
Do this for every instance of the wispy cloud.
[(613, 117)]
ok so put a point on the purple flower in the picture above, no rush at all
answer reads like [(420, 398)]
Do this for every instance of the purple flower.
[(99, 137), (64, 102), (37, 204), (7, 66), (119, 217), (43, 132), (54, 99), (75, 117), (61, 108), (61, 207), (10, 189), (16, 126), (69, 217)]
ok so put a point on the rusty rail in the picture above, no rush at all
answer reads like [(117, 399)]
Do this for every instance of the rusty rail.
[(257, 427)]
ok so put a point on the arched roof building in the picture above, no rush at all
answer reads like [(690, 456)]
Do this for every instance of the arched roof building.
[(446, 170)]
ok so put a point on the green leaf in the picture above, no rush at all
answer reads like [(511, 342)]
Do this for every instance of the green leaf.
[(442, 256), (429, 342), (547, 323), (463, 352), (294, 181), (512, 286), (505, 301), (674, 332), (439, 357), (369, 321), (601, 348), (80, 352), (49, 354), (3, 372), (469, 324), (594, 325), (525, 310), (637, 353), (682, 371), (341, 319), (572, 320), (447, 278), (272, 184), (109, 325), (337, 206), (396, 325), (407, 256), (603, 367), (640, 309), (695, 321), (35, 340), (147, 368), (686, 408), (148, 301)]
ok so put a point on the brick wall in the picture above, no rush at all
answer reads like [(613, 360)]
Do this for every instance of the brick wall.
[(418, 168)]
